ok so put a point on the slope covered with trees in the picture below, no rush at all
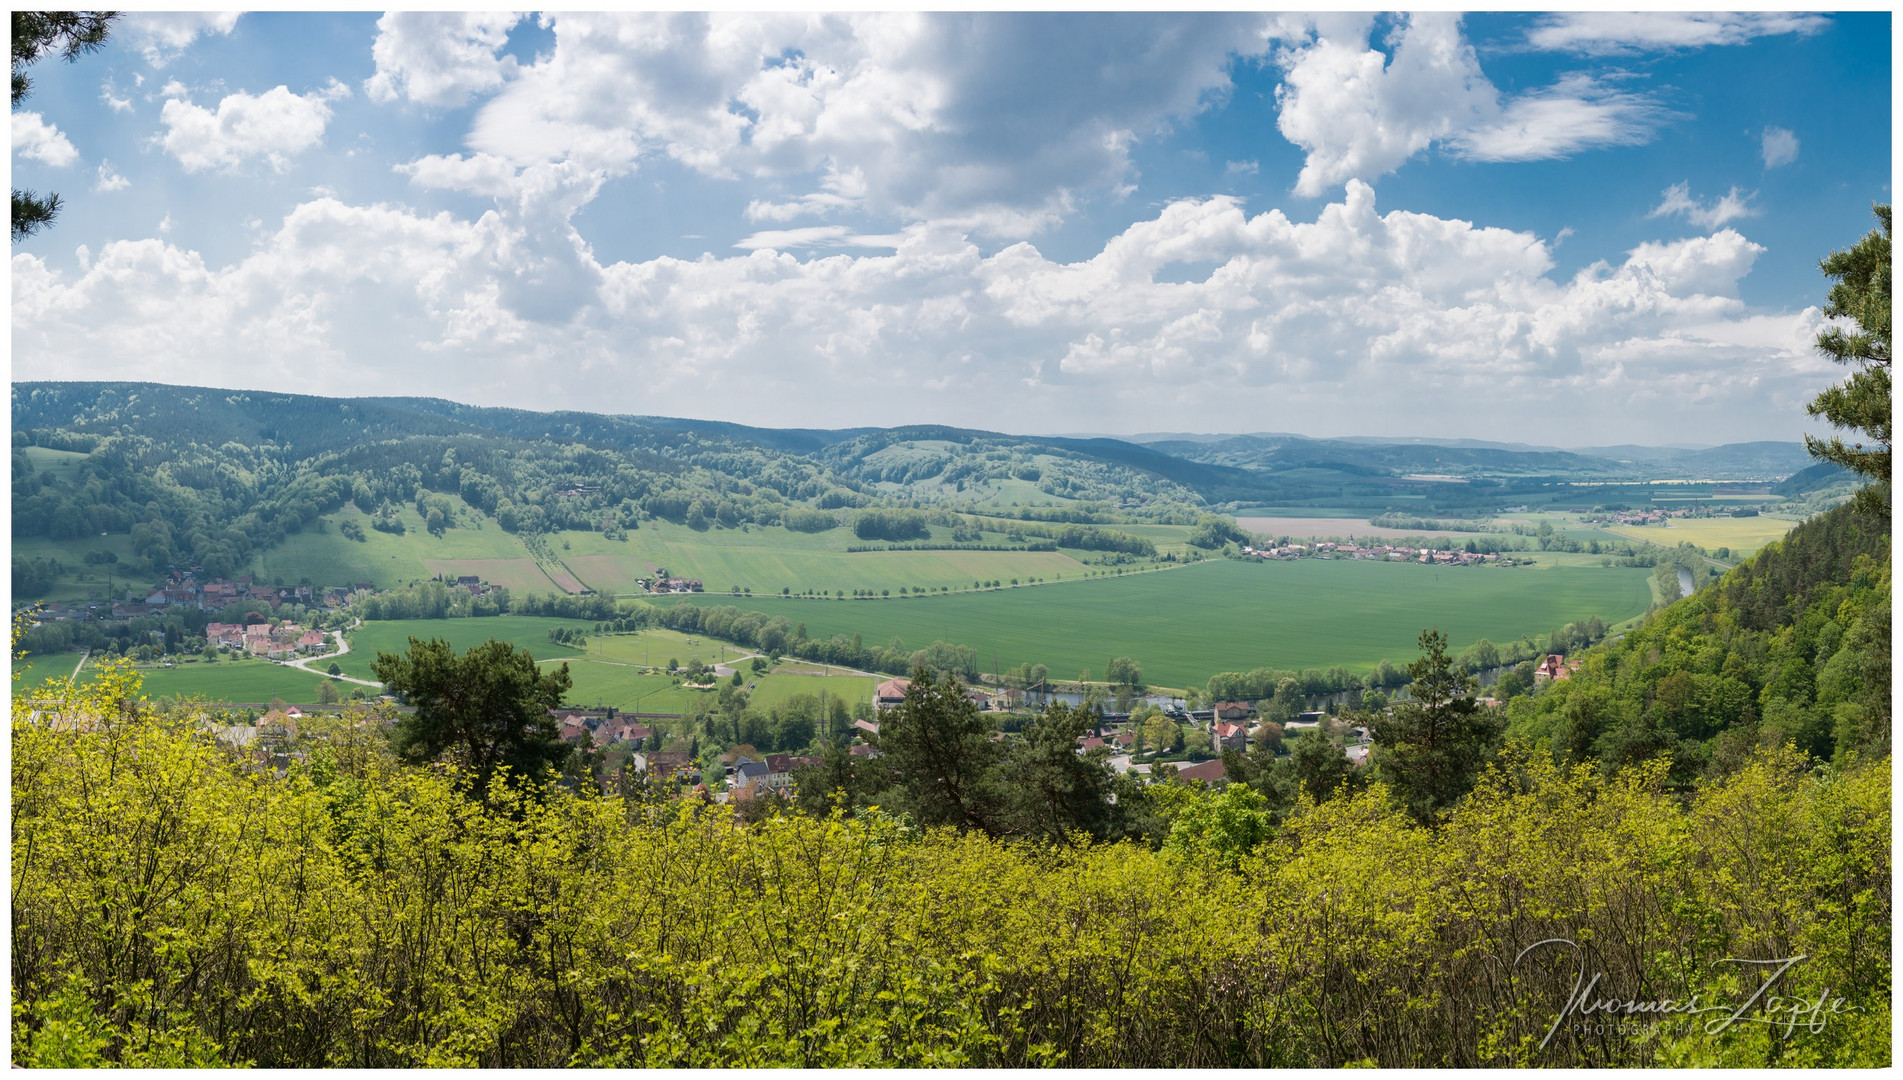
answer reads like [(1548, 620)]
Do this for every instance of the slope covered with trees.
[(1792, 646)]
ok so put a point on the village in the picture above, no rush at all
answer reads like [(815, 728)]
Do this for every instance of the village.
[(1388, 552)]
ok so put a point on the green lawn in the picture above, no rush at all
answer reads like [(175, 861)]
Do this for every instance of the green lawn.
[(1184, 625)]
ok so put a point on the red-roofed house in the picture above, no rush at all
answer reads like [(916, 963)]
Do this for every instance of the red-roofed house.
[(1554, 668), (1207, 772), (891, 693)]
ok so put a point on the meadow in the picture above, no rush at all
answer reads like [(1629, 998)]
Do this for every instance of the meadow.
[(598, 683), (528, 632), (1743, 536), (252, 681), (1183, 625), (322, 555), (82, 581), (58, 464), (770, 559)]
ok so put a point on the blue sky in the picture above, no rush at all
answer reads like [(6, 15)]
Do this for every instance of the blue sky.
[(1560, 229)]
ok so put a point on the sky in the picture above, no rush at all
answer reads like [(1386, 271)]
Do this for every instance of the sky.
[(1560, 229)]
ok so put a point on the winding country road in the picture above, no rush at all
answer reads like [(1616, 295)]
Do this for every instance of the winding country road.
[(342, 648)]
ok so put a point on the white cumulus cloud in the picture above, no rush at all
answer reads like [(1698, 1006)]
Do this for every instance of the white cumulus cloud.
[(1356, 320), (109, 180), (987, 120), (1730, 206), (274, 126), (34, 138), (440, 58), (1361, 113), (1779, 147), (161, 37)]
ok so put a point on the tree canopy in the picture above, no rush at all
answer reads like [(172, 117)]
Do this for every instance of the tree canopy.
[(484, 710)]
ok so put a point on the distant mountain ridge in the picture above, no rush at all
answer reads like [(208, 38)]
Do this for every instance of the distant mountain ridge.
[(928, 462)]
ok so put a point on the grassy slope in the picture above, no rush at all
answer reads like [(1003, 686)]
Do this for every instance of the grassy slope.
[(328, 558), (58, 464), (81, 581), (1184, 625)]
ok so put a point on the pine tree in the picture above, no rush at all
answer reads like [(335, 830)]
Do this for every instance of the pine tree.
[(1862, 402), (1432, 748), (71, 34)]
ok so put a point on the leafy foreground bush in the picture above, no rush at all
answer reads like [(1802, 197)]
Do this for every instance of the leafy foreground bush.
[(172, 907)]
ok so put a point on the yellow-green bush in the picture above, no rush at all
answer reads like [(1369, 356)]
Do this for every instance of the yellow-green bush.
[(172, 906)]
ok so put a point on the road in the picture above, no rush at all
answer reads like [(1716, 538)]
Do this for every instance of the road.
[(342, 648)]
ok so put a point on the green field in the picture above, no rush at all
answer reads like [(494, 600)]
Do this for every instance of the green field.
[(324, 556), (58, 465), (226, 680), (34, 670), (767, 560), (778, 686), (597, 684), (655, 647), (523, 631), (1186, 624), (82, 581), (611, 670), (1742, 535)]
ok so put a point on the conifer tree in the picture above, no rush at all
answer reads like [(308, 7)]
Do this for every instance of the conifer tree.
[(1861, 402), (71, 34)]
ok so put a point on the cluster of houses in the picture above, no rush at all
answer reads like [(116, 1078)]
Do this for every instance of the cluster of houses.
[(1232, 725), (1637, 517), (183, 588), (670, 585), (1333, 549), (473, 584), (283, 641), (604, 726)]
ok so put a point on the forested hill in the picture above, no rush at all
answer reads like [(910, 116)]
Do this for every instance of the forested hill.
[(1790, 647), (217, 475)]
